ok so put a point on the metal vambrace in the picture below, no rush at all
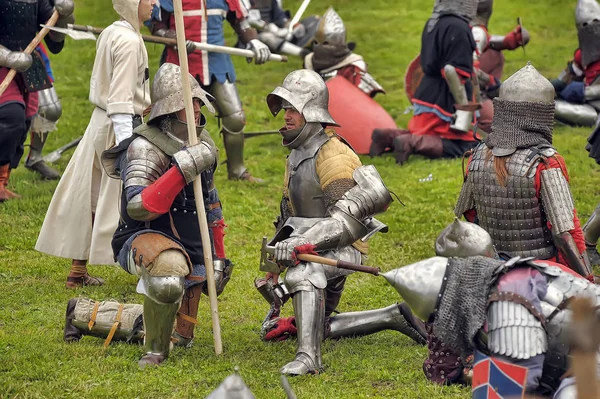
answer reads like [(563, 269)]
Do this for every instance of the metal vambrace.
[(195, 159), (462, 119), (369, 197), (568, 248), (17, 60)]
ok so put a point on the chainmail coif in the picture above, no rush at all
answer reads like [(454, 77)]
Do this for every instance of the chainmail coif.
[(462, 309), (521, 124)]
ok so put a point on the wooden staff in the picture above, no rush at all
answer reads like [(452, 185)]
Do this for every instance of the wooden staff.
[(29, 49), (193, 139)]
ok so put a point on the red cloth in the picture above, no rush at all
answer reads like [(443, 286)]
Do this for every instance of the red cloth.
[(492, 63), (430, 124), (486, 115), (159, 196), (15, 93), (218, 233), (351, 73), (283, 329)]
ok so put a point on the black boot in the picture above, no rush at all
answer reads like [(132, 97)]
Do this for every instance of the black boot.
[(35, 160)]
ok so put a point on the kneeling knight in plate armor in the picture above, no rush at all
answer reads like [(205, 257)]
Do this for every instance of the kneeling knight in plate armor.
[(511, 313), (158, 237), (328, 205)]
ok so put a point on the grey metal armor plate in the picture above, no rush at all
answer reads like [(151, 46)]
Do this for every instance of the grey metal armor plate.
[(557, 200), (511, 214), (145, 163), (306, 195)]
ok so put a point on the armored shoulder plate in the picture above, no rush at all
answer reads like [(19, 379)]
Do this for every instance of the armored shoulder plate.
[(145, 163)]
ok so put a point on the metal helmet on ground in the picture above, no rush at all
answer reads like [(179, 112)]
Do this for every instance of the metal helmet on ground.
[(307, 93), (484, 12), (464, 8), (331, 29), (233, 387), (167, 92), (523, 113), (587, 19), (464, 239)]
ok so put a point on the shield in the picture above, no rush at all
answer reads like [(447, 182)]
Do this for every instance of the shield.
[(412, 77), (496, 379), (356, 113)]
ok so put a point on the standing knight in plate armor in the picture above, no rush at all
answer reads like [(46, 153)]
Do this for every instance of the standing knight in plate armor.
[(578, 86), (272, 25), (517, 185), (488, 58), (511, 311), (19, 23), (333, 56), (158, 237), (328, 205), (44, 122), (443, 101), (204, 22)]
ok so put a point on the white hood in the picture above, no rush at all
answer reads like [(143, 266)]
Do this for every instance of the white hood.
[(128, 10)]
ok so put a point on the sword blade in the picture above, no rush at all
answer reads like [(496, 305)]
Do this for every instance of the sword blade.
[(73, 34), (298, 15)]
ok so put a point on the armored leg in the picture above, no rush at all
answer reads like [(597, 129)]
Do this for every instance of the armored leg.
[(309, 309), (591, 233), (163, 284), (233, 121), (333, 294), (35, 160), (50, 110), (394, 317), (187, 315), (575, 114)]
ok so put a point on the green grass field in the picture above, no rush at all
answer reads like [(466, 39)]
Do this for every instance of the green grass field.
[(34, 361)]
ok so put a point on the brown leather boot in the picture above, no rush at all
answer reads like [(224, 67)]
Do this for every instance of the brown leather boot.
[(382, 140), (5, 193), (186, 316), (407, 144)]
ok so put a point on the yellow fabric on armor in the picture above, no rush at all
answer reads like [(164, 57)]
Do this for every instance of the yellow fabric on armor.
[(335, 161)]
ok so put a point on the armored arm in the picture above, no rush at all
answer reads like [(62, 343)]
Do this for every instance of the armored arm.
[(17, 60), (559, 208), (151, 186), (457, 87), (65, 10), (515, 39), (161, 28), (367, 198)]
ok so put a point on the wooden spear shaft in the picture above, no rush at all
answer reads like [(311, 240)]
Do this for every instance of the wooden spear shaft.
[(29, 49), (193, 139)]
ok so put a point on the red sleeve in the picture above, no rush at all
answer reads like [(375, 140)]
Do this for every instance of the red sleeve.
[(558, 161), (236, 6), (159, 196), (577, 57)]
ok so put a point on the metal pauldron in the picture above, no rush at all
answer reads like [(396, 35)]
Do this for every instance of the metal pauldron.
[(145, 163)]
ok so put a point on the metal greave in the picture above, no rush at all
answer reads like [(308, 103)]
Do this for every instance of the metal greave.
[(158, 323), (36, 146), (356, 324), (309, 309)]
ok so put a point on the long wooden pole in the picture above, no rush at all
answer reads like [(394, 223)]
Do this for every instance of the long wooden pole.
[(199, 46), (193, 139), (29, 49)]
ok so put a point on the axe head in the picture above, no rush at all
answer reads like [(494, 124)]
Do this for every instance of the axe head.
[(267, 260)]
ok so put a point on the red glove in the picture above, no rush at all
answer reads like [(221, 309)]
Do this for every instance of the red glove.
[(513, 40), (282, 330), (304, 249)]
